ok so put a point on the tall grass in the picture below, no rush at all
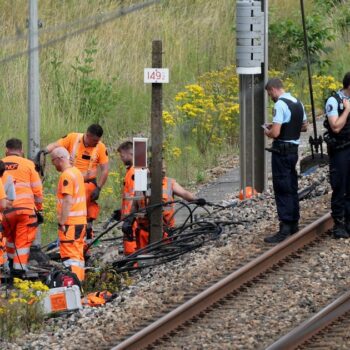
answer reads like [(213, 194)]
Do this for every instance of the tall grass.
[(197, 37)]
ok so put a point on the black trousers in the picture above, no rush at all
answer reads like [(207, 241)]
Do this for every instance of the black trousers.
[(339, 169), (285, 186)]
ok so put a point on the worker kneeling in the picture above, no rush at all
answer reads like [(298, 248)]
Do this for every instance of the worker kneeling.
[(170, 188), (71, 212)]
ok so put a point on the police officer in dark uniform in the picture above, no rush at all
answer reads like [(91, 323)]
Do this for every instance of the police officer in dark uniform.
[(338, 140), (289, 119)]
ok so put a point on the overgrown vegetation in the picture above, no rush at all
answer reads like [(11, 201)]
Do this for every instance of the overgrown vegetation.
[(105, 279), (96, 76), (20, 309)]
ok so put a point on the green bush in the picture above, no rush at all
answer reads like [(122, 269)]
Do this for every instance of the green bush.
[(96, 97), (286, 43)]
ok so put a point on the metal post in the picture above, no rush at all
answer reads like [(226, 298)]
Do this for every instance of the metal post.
[(33, 83), (156, 216), (265, 67), (33, 90), (251, 67)]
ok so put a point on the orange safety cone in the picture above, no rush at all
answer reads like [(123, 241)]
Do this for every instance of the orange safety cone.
[(249, 193)]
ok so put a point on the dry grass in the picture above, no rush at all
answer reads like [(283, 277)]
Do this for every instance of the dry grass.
[(197, 36)]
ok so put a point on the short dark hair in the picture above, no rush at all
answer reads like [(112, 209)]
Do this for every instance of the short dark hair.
[(95, 129), (125, 146), (274, 83), (346, 80), (2, 168), (14, 144)]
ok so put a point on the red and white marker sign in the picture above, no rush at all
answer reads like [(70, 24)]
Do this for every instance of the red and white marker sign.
[(156, 75)]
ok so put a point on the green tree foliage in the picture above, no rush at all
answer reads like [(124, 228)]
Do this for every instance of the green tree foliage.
[(286, 43), (97, 98)]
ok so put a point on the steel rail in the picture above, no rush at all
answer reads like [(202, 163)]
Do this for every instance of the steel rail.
[(314, 325), (226, 286)]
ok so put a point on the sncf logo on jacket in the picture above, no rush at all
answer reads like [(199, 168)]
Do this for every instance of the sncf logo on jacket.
[(11, 166)]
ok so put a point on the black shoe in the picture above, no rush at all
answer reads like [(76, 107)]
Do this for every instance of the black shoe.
[(347, 227), (294, 227), (339, 230), (284, 231)]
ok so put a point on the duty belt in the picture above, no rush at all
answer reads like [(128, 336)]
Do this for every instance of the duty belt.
[(283, 148), (336, 143)]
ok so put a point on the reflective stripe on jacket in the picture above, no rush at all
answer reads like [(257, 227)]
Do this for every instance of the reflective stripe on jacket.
[(28, 186), (77, 213), (128, 192)]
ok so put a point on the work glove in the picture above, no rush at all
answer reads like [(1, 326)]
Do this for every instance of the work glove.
[(116, 215), (40, 217), (127, 230), (95, 193), (200, 201), (39, 161)]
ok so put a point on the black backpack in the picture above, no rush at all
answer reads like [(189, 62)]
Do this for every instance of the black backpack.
[(57, 277)]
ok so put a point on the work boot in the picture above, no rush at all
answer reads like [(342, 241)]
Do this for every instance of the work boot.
[(339, 230), (294, 227), (347, 227), (284, 231)]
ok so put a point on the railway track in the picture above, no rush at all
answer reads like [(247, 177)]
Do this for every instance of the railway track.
[(204, 310), (327, 329)]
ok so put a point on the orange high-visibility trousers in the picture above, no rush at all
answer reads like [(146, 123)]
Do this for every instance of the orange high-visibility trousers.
[(142, 237), (92, 208), (130, 245), (72, 248), (20, 226), (3, 255)]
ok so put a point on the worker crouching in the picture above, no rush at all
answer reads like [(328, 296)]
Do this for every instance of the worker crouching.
[(125, 151), (170, 188), (71, 212)]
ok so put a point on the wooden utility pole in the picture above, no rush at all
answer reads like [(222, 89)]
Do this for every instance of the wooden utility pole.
[(156, 215)]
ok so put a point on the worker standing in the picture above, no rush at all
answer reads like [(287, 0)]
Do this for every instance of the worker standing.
[(289, 119), (89, 155), (71, 212), (9, 188), (125, 151), (20, 221)]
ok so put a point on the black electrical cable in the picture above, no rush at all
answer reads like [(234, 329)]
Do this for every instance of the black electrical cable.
[(108, 228), (61, 27), (181, 241), (100, 20)]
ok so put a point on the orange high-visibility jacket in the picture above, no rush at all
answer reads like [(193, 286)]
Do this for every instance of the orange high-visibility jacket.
[(86, 159), (71, 182), (168, 210), (29, 189), (128, 191), (3, 257)]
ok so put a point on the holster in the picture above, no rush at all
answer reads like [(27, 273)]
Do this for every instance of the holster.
[(283, 148)]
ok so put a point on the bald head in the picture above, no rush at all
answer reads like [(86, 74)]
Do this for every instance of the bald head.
[(60, 158), (60, 152)]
